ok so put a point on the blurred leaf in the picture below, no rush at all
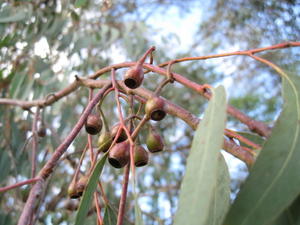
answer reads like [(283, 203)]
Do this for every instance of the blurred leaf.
[(86, 199), (197, 189), (110, 216), (65, 42), (138, 213), (16, 84), (55, 29), (4, 165), (80, 3), (221, 199), (8, 14), (5, 219), (274, 180)]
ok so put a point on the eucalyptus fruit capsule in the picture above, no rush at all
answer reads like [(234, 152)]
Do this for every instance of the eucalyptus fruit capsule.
[(72, 190), (119, 154), (113, 132), (93, 124), (154, 141), (134, 76), (154, 108), (141, 156), (81, 184), (104, 141)]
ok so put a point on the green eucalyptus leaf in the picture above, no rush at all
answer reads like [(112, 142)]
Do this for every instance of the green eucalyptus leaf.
[(197, 191), (290, 216), (274, 180), (221, 199), (86, 199)]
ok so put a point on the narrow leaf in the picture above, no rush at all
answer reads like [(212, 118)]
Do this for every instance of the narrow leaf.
[(274, 180), (88, 193), (199, 182)]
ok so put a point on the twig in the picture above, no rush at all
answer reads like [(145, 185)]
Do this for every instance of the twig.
[(52, 162), (181, 113), (29, 181), (34, 142), (123, 196)]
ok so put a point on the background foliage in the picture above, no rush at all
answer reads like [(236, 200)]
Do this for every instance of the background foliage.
[(82, 37)]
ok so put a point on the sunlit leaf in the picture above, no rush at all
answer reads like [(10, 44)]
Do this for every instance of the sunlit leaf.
[(274, 180), (199, 183), (86, 199)]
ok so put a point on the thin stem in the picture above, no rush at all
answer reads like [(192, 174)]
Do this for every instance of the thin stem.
[(90, 141), (26, 182), (232, 134), (106, 127), (143, 58), (121, 119), (122, 203), (103, 193), (34, 142), (98, 209)]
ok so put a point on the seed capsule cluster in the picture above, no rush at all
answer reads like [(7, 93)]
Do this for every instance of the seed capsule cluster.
[(115, 141)]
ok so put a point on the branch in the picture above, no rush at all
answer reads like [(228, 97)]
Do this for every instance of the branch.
[(29, 181), (52, 162), (177, 111)]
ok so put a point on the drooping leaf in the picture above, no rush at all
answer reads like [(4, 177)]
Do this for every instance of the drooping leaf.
[(274, 180), (199, 183), (86, 199), (221, 199)]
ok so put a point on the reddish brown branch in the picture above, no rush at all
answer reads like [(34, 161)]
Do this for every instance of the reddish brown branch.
[(179, 112), (29, 181), (52, 162)]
